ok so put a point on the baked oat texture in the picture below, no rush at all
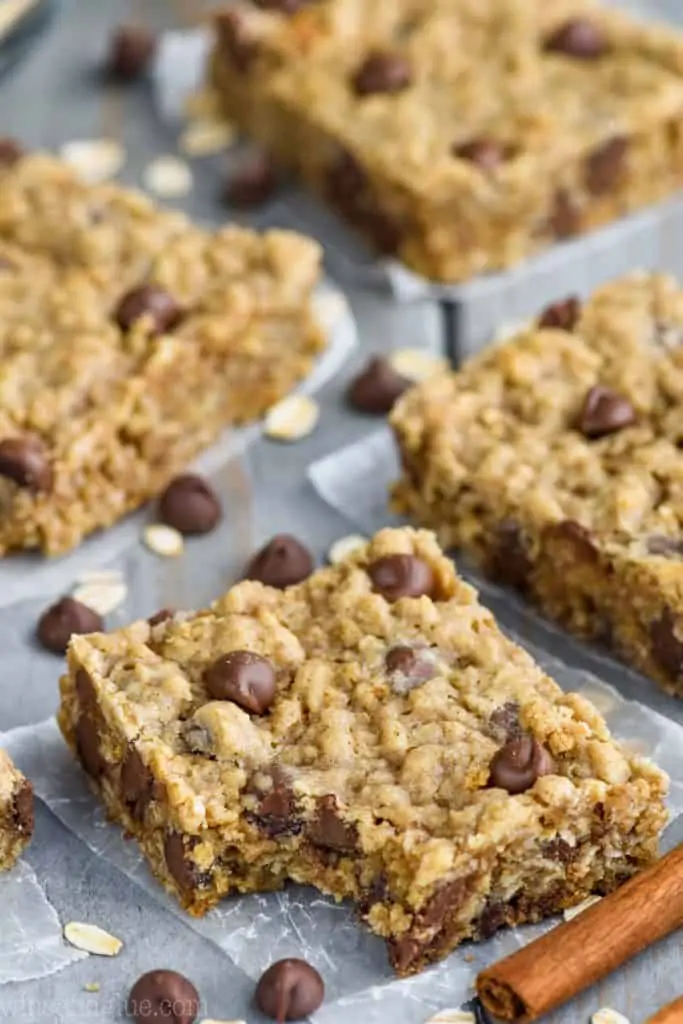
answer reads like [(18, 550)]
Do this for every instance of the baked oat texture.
[(556, 461), (16, 812), (406, 754), (130, 338), (460, 135)]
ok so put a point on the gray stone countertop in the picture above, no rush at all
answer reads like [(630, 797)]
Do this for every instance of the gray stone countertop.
[(54, 97)]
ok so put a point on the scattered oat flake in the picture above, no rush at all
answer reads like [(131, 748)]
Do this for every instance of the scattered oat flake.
[(94, 160), (452, 1017), (102, 597), (168, 177), (205, 137), (92, 986), (607, 1016), (571, 912), (292, 419), (92, 939), (416, 365), (163, 540), (345, 546)]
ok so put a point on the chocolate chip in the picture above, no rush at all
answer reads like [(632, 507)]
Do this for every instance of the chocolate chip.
[(559, 850), (163, 615), (604, 412), (410, 664), (509, 561), (86, 692), (667, 649), (277, 811), (377, 388), (289, 990), (492, 918), (245, 678), (504, 723), (181, 869), (518, 764), (163, 996), (11, 151), (330, 831), (131, 49), (25, 461), (605, 166), (136, 783), (153, 303), (253, 184), (60, 621), (23, 809), (347, 187), (564, 315), (565, 215), (88, 746), (190, 505), (668, 547), (486, 154), (235, 39), (444, 903), (382, 72), (581, 539), (396, 576), (578, 38), (282, 562)]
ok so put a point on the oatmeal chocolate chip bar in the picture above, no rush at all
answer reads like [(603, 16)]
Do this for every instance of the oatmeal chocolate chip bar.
[(460, 135), (16, 812), (370, 732), (555, 460), (129, 339)]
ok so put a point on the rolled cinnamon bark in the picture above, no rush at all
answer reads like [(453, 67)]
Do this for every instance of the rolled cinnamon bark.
[(549, 972), (671, 1014)]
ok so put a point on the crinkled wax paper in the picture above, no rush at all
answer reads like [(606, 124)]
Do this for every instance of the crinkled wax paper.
[(31, 943), (30, 575)]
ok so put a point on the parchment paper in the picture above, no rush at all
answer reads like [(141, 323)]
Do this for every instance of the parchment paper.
[(256, 930), (31, 943), (31, 575)]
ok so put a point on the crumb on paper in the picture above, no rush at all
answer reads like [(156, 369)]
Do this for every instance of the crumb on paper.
[(89, 938), (168, 177), (163, 540), (416, 365), (292, 419), (345, 546), (103, 597), (205, 137), (94, 160), (92, 986)]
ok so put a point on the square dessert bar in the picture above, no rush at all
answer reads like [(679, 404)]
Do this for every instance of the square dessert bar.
[(556, 461), (370, 732), (460, 135), (16, 812), (129, 339)]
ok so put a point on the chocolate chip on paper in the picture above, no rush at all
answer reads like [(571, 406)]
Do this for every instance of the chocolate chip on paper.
[(163, 996), (289, 990), (62, 620), (131, 48), (376, 388), (190, 505)]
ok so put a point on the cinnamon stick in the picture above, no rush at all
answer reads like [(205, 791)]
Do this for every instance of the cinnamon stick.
[(671, 1014), (553, 969)]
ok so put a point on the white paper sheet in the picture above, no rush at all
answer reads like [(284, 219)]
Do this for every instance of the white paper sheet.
[(24, 576)]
